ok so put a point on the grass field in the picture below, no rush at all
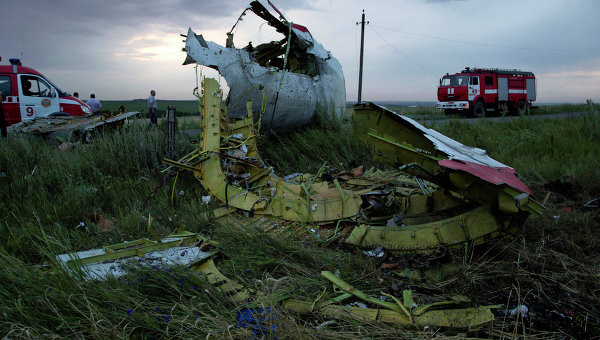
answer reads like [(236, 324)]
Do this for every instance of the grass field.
[(52, 201), (190, 108), (183, 107)]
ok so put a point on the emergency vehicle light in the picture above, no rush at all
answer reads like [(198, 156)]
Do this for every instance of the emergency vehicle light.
[(15, 61)]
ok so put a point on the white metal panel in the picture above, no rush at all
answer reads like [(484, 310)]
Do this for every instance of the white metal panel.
[(300, 96), (531, 90), (174, 256), (502, 88), (453, 149)]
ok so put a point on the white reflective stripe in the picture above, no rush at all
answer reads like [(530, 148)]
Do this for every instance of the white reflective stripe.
[(11, 99), (491, 91), (69, 101), (517, 91)]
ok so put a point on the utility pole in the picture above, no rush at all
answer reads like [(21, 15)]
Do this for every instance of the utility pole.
[(362, 51)]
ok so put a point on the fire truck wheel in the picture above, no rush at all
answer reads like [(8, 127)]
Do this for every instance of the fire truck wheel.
[(479, 110), (521, 107)]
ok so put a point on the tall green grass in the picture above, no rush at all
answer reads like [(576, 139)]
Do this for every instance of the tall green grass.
[(561, 108), (308, 149), (49, 198), (47, 193), (541, 150)]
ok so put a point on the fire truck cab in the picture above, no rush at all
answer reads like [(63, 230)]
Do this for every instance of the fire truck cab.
[(29, 95), (480, 90)]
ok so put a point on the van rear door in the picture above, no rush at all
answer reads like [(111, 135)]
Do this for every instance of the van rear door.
[(10, 105), (37, 97)]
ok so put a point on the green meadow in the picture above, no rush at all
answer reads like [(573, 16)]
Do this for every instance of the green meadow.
[(52, 200)]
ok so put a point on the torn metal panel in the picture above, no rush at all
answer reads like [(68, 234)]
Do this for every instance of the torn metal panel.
[(394, 312), (428, 154), (181, 249), (474, 227), (117, 260), (235, 291), (70, 127), (287, 81), (245, 183), (498, 176), (471, 318)]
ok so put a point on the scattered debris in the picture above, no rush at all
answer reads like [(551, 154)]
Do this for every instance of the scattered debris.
[(480, 198), (397, 312), (119, 259), (68, 127), (592, 204), (521, 310), (180, 249), (444, 195), (377, 252), (260, 321), (356, 304)]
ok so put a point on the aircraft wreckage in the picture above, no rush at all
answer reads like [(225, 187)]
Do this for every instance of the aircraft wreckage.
[(288, 81), (441, 195)]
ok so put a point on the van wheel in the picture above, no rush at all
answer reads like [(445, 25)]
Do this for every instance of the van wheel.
[(479, 110), (521, 107), (59, 114)]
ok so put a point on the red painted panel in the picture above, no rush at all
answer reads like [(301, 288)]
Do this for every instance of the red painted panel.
[(495, 176)]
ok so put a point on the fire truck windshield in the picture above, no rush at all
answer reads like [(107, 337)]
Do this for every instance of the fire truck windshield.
[(454, 81)]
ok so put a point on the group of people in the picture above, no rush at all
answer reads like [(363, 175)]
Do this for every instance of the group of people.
[(95, 105)]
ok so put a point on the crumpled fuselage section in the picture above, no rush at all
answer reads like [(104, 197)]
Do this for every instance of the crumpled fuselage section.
[(288, 81)]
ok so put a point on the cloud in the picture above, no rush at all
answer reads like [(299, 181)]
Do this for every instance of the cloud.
[(116, 48), (577, 73)]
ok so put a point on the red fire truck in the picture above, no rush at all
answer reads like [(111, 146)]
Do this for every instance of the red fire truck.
[(28, 95), (479, 90)]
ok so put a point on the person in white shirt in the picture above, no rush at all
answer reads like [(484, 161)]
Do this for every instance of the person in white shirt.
[(94, 103), (152, 107)]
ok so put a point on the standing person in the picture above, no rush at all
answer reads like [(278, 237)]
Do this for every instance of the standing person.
[(2, 118), (152, 107), (94, 103)]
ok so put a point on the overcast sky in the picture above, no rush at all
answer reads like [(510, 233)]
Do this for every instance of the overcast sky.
[(122, 49)]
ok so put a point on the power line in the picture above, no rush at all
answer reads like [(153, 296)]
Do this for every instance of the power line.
[(484, 44), (405, 55)]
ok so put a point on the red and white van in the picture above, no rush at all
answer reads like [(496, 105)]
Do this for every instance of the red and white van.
[(29, 95)]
